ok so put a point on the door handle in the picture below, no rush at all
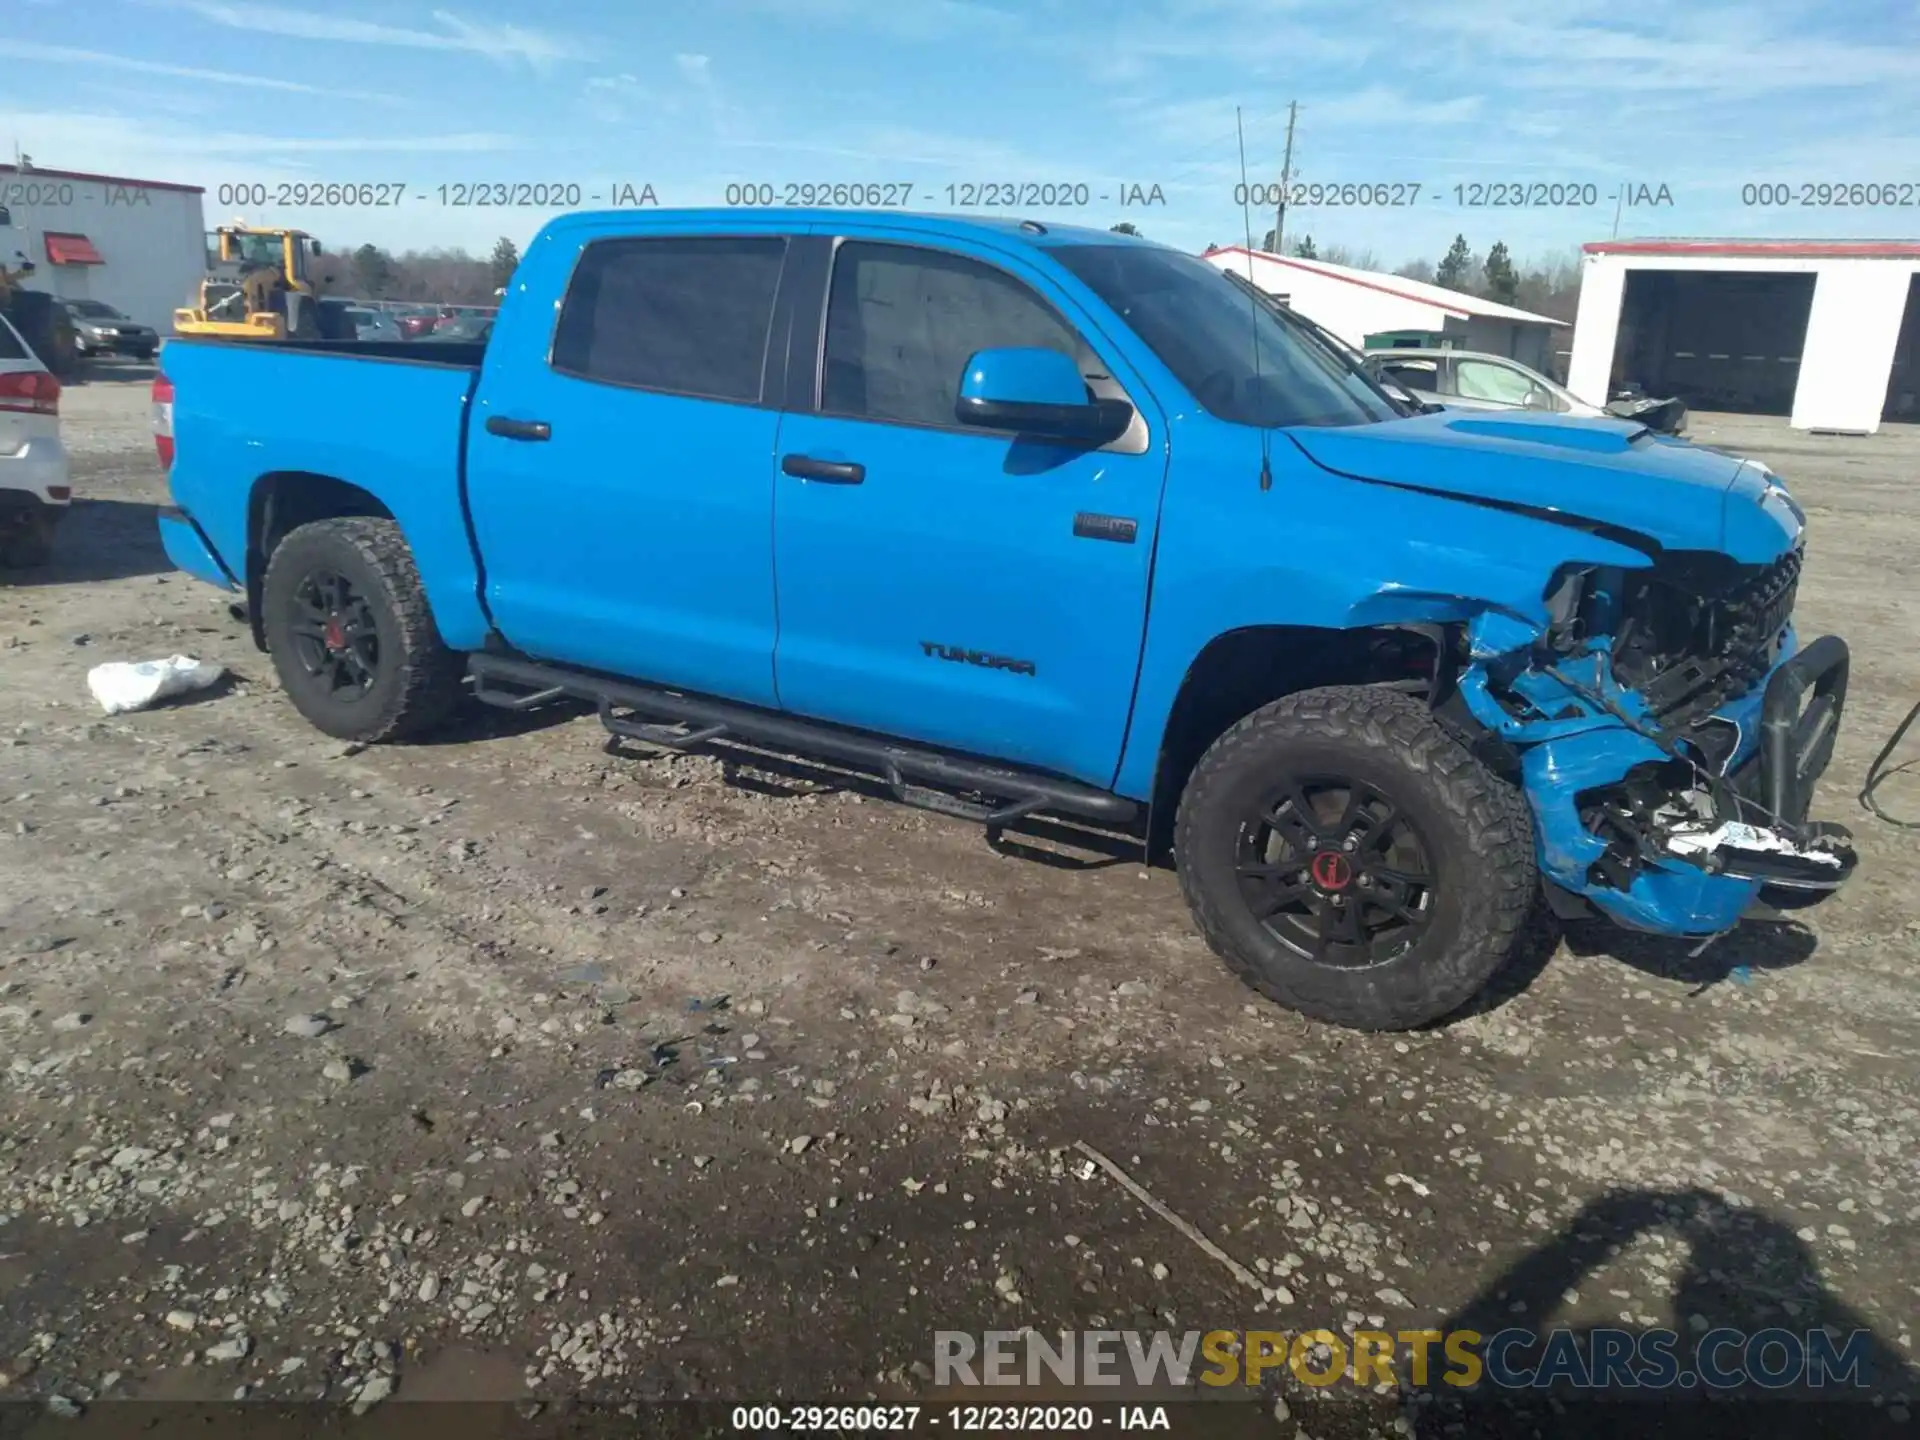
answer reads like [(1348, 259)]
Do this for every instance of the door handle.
[(519, 429), (834, 472)]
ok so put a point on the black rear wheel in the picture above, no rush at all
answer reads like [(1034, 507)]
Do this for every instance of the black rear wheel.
[(1348, 858), (350, 632)]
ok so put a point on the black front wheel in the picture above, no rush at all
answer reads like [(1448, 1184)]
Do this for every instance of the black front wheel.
[(351, 636), (1348, 858)]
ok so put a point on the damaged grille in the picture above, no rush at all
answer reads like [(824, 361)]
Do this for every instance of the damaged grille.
[(1697, 632)]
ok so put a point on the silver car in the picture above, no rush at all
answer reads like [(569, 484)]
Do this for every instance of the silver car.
[(1474, 380)]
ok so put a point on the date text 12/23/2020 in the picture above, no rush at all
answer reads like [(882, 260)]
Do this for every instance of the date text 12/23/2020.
[(627, 194), (391, 194), (960, 1419)]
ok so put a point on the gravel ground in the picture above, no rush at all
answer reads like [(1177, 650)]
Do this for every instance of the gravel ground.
[(503, 1066)]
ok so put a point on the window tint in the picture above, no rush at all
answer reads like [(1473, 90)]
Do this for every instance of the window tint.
[(11, 345), (689, 316), (1482, 380), (903, 322)]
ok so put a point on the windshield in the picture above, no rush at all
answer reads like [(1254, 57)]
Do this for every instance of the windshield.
[(1240, 360), (260, 250), (99, 310), (1344, 355)]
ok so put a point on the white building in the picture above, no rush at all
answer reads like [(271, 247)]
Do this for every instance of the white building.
[(1361, 305), (1824, 332), (139, 245)]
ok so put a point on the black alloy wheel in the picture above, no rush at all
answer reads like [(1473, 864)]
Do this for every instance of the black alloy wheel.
[(1347, 856), (347, 622), (1335, 871), (336, 639)]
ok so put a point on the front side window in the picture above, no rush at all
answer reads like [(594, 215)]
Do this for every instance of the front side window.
[(1239, 359), (683, 315), (902, 323), (1484, 380)]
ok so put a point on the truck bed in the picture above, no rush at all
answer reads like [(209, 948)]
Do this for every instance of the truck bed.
[(289, 418), (456, 354)]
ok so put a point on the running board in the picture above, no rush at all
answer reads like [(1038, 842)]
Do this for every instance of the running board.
[(676, 720)]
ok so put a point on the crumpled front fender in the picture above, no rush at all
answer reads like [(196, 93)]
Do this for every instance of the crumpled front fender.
[(1668, 897), (1569, 745)]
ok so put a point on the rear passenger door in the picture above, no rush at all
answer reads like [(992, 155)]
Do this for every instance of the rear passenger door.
[(954, 585), (620, 465)]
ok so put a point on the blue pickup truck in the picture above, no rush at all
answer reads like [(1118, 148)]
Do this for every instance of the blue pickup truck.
[(1025, 518)]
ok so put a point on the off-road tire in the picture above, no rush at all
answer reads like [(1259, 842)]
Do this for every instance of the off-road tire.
[(1477, 826), (416, 680)]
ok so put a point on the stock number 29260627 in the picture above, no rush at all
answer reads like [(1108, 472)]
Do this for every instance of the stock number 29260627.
[(784, 1418)]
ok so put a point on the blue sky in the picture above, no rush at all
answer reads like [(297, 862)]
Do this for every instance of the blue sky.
[(1107, 93)]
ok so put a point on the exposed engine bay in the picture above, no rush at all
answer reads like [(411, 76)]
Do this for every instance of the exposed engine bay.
[(1670, 730)]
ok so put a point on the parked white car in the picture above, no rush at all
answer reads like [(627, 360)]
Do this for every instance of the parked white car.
[(35, 489)]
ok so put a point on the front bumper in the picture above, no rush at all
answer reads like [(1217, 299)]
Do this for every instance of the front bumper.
[(1699, 879)]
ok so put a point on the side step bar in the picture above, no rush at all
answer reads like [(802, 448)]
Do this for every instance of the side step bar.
[(678, 721)]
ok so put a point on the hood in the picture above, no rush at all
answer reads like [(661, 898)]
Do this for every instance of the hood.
[(1606, 474)]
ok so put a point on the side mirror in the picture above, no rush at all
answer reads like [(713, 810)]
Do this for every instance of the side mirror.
[(1037, 392), (1538, 399), (316, 246)]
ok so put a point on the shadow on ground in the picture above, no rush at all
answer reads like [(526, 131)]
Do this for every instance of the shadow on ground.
[(100, 540), (1749, 1302), (1755, 945)]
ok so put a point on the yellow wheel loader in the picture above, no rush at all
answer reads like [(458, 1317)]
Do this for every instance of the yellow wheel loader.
[(266, 284)]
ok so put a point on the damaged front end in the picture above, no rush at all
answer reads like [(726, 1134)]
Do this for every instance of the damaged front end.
[(1668, 728)]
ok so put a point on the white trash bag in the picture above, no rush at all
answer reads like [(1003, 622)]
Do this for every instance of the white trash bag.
[(121, 686)]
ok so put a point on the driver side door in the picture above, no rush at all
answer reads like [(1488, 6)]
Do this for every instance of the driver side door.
[(958, 586)]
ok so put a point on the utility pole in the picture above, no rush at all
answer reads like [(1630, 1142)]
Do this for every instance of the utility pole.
[(1286, 181)]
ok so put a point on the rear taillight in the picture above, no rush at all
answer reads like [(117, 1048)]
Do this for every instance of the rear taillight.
[(33, 392), (163, 420)]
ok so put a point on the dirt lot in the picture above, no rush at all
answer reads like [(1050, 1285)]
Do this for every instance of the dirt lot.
[(505, 1067)]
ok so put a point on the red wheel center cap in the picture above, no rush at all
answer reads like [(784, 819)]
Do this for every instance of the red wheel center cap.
[(335, 636), (1332, 870)]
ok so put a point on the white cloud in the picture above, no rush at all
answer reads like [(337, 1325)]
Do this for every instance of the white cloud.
[(499, 42), (613, 99), (911, 20), (69, 55), (194, 154), (697, 68)]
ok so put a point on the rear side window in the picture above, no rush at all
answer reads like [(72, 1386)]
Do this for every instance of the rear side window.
[(685, 316), (11, 346)]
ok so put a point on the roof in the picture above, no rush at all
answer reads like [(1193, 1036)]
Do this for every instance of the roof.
[(38, 172), (1775, 249), (1437, 352), (1438, 297), (922, 222)]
